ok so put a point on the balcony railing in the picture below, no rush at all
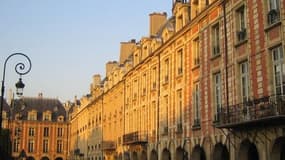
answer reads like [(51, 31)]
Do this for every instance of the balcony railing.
[(273, 16), (263, 111), (135, 138), (108, 145)]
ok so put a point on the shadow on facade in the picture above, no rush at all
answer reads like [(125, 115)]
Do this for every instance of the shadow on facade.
[(198, 153), (166, 154), (248, 151), (220, 152), (278, 149)]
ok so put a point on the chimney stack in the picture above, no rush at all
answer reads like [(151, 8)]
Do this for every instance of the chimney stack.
[(156, 21)]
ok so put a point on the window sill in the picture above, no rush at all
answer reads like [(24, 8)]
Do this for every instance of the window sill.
[(196, 127), (270, 26), (241, 42), (165, 83), (179, 75), (215, 56), (196, 67)]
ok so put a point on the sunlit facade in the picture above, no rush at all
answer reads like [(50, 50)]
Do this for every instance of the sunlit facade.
[(196, 88)]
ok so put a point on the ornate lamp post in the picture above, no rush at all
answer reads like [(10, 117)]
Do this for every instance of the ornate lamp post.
[(20, 69)]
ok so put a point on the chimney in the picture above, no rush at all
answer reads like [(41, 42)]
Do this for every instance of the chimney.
[(126, 50), (96, 79), (156, 21), (110, 67)]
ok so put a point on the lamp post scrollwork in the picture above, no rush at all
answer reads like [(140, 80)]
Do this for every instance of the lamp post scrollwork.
[(20, 69)]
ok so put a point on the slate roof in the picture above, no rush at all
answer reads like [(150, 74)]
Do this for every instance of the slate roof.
[(41, 105)]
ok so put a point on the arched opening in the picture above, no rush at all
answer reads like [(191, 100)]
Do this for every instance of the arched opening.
[(166, 154), (143, 155), (116, 156), (180, 153), (120, 156), (45, 158), (198, 153), (278, 149), (59, 158), (135, 156), (126, 156), (153, 155), (30, 158), (220, 152), (248, 151)]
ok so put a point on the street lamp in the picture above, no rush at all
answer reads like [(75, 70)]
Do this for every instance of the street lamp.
[(20, 69)]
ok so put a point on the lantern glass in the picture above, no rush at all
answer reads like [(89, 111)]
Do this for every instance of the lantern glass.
[(20, 87)]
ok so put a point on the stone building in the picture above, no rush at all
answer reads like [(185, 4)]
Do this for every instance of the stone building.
[(207, 83), (38, 128)]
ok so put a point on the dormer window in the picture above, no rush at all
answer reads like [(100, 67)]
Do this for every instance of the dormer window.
[(32, 115), (60, 118), (47, 116)]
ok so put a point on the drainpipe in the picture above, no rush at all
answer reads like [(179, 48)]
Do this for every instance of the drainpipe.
[(123, 154), (102, 120), (226, 70), (226, 58), (158, 92)]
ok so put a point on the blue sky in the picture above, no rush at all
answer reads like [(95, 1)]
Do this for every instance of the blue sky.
[(68, 41)]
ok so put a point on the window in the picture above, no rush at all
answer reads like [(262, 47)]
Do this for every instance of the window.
[(196, 103), (46, 131), (16, 145), (179, 104), (244, 81), (166, 71), (278, 70), (45, 146), (135, 89), (179, 22), (17, 131), (153, 75), (217, 94), (31, 131), (59, 146), (31, 145), (273, 14), (196, 53), (153, 116), (32, 116), (47, 116), (144, 84), (216, 40), (179, 62), (240, 23), (59, 132), (166, 109)]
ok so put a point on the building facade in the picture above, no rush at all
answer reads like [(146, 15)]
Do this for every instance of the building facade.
[(38, 128), (207, 83)]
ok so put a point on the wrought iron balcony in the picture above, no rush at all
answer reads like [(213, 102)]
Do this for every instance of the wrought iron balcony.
[(263, 111), (273, 16), (135, 138), (109, 145)]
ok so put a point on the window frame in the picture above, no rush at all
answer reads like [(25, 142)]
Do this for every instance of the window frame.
[(278, 61), (215, 39), (244, 81)]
